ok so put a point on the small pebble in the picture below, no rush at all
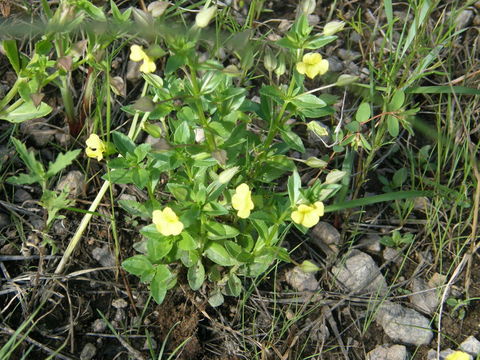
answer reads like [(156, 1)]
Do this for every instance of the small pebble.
[(301, 281), (471, 345), (88, 352)]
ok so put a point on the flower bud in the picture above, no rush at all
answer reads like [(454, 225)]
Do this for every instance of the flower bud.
[(317, 129), (269, 60), (281, 67), (308, 6), (346, 79), (333, 27), (308, 267), (314, 162), (157, 8), (205, 15)]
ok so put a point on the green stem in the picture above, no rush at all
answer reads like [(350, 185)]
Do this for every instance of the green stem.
[(277, 122), (11, 94), (133, 132), (201, 114)]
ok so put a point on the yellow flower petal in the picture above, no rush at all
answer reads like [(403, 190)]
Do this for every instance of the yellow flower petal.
[(242, 201), (312, 58), (323, 67), (458, 355), (297, 217), (308, 216), (167, 222), (301, 67), (310, 219), (136, 53), (95, 147), (319, 208), (311, 71), (94, 154), (148, 65)]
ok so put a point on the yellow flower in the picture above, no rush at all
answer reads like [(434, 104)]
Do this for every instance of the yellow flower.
[(312, 65), (308, 216), (167, 222), (137, 54), (95, 147), (458, 355), (242, 201)]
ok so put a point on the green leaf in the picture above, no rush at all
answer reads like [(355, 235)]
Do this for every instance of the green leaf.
[(54, 203), (174, 62), (397, 101), (400, 177), (157, 248), (271, 92), (95, 12), (140, 266), (196, 275), (308, 101), (217, 253), (183, 134), (140, 177), (123, 143), (363, 112), (180, 191), (292, 140), (10, 47), (28, 158), (217, 231), (24, 179), (134, 208), (398, 195), (234, 286), (119, 176), (294, 185), (26, 111), (216, 299), (159, 284), (319, 41), (188, 242), (61, 162), (335, 176), (393, 125)]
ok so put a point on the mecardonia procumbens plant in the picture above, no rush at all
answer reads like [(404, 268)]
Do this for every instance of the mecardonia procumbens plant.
[(213, 206)]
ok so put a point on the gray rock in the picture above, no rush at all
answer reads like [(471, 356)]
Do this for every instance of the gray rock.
[(335, 64), (104, 256), (74, 181), (359, 273), (371, 243), (59, 228), (38, 131), (348, 55), (327, 233), (4, 220), (88, 352), (393, 255), (471, 345), (385, 352), (432, 354), (424, 297), (404, 325), (463, 19), (301, 281), (99, 326), (21, 196), (119, 303)]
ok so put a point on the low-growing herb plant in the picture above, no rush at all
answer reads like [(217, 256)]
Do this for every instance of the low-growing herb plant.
[(214, 208)]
